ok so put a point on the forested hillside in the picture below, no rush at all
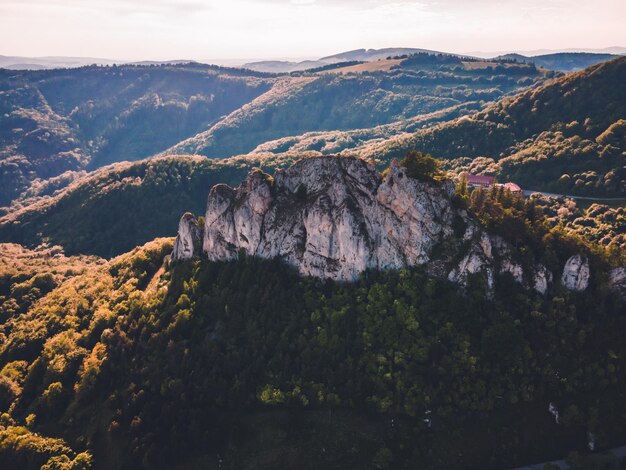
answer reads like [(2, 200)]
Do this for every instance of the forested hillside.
[(69, 119), (566, 136), (55, 121), (138, 361), (114, 209), (333, 101)]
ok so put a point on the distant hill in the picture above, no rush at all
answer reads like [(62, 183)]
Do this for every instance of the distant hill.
[(50, 62), (617, 50), (517, 57), (358, 55), (562, 62), (281, 66), (165, 62), (374, 54), (26, 66), (569, 62), (60, 62)]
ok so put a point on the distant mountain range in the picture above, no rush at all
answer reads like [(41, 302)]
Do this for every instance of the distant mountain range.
[(560, 60), (535, 52), (61, 62), (50, 62), (375, 54), (361, 55), (52, 121)]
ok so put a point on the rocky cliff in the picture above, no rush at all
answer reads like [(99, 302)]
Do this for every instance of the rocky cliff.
[(188, 242), (330, 217), (335, 217)]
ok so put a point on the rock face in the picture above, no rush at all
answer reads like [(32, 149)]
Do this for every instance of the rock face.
[(335, 217), (188, 243), (330, 217), (576, 273), (617, 281), (541, 278), (478, 260)]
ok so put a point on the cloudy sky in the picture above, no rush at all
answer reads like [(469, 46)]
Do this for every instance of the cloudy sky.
[(245, 29)]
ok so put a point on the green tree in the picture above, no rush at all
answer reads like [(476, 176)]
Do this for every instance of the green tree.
[(422, 166)]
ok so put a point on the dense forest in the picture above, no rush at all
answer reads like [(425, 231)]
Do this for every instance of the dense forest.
[(113, 210), (71, 119), (566, 136), (54, 121), (137, 361)]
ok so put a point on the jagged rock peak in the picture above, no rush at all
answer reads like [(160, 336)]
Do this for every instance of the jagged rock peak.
[(188, 243), (331, 217)]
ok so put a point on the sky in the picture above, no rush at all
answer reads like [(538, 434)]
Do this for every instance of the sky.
[(281, 29)]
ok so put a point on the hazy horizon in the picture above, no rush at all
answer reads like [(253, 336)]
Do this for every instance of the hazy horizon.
[(243, 60), (241, 30)]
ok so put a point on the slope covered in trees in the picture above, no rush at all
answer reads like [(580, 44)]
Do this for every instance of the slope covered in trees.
[(68, 119), (565, 136), (330, 100), (136, 362), (55, 121), (114, 209)]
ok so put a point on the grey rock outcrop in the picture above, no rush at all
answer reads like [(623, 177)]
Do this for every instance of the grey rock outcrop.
[(335, 217), (541, 279), (330, 217), (617, 281), (188, 243), (576, 273), (478, 260)]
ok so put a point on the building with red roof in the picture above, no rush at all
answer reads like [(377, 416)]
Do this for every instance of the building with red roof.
[(478, 181)]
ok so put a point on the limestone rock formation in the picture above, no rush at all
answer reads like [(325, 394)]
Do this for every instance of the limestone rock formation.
[(335, 217), (188, 243), (576, 273), (541, 278), (478, 259), (330, 217), (617, 281)]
